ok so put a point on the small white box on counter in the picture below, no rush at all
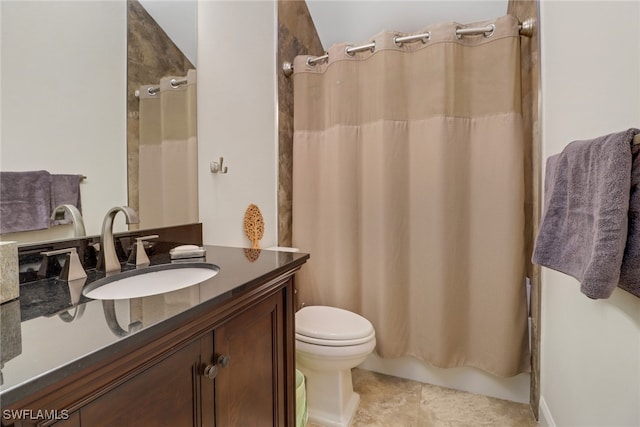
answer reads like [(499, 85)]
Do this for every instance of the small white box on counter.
[(9, 281)]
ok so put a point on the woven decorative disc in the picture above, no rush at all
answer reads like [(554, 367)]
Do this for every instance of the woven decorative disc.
[(254, 225)]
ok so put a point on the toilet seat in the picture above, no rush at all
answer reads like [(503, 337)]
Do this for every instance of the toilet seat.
[(335, 343), (332, 326)]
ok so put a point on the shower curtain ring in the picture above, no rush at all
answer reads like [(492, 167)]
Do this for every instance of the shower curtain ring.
[(491, 31)]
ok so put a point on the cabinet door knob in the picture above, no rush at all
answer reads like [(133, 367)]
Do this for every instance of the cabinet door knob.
[(222, 360), (210, 371)]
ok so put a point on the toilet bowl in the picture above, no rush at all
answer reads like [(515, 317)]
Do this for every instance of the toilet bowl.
[(329, 343)]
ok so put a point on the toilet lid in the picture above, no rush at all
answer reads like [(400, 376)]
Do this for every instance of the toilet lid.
[(331, 323)]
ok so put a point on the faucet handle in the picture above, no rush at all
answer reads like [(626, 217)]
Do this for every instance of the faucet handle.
[(149, 237), (142, 260), (72, 269)]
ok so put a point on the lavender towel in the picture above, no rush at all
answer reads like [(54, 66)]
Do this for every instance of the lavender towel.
[(630, 270), (65, 190), (585, 224), (25, 201)]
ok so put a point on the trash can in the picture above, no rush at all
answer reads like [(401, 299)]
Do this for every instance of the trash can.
[(301, 400)]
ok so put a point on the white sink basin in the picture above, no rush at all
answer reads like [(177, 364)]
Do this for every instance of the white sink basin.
[(154, 280)]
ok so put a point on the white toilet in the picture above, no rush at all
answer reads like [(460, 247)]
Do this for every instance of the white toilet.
[(329, 343)]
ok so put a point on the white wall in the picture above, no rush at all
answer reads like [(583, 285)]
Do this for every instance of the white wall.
[(237, 119), (590, 87), (63, 98)]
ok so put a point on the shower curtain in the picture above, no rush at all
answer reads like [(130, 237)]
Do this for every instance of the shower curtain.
[(167, 173), (408, 192)]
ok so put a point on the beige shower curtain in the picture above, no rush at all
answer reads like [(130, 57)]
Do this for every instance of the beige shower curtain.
[(408, 192), (168, 174)]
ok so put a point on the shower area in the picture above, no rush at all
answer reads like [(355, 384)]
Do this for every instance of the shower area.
[(407, 171)]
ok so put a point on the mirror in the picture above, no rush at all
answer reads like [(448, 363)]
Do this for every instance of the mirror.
[(68, 78)]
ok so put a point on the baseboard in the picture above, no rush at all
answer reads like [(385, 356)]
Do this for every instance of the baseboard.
[(515, 389), (546, 420)]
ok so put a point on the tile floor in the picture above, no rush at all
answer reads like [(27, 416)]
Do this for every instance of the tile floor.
[(387, 401)]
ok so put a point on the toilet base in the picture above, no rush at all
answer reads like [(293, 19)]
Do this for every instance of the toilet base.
[(331, 401)]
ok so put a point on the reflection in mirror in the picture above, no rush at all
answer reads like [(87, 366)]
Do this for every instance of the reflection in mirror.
[(63, 81), (66, 67), (109, 307), (68, 316), (161, 122)]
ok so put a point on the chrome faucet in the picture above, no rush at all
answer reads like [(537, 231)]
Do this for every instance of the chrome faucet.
[(108, 258), (76, 217)]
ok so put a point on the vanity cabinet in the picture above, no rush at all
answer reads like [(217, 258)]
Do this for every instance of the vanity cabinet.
[(72, 420), (161, 395), (250, 390), (229, 366)]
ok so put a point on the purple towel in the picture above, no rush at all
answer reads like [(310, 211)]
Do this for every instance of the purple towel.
[(585, 230), (25, 201), (65, 190), (630, 270)]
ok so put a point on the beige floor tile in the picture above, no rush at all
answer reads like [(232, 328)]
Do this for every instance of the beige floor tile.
[(387, 401), (443, 407)]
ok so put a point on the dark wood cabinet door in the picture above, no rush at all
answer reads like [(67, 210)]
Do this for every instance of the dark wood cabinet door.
[(72, 421), (250, 390), (166, 393)]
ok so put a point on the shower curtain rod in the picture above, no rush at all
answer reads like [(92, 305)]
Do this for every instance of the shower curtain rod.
[(526, 30), (174, 84)]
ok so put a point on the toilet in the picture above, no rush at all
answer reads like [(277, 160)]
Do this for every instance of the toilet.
[(330, 342)]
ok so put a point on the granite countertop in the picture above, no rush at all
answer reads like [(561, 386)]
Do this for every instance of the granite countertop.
[(54, 337)]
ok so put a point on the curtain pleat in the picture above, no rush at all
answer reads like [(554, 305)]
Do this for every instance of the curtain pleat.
[(168, 178), (408, 191)]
